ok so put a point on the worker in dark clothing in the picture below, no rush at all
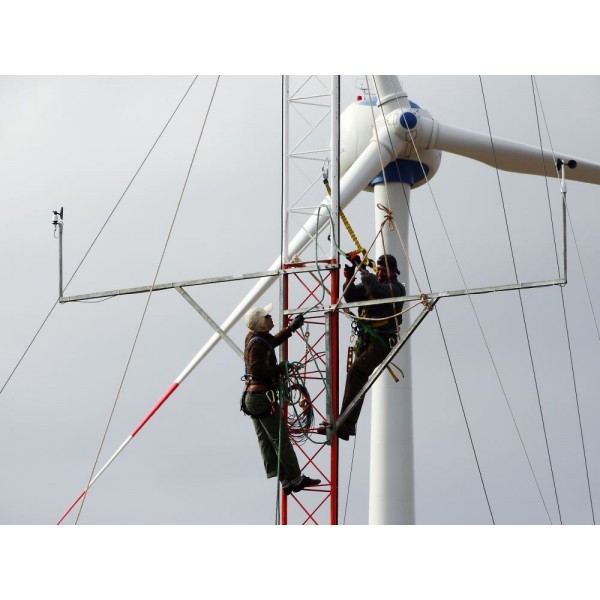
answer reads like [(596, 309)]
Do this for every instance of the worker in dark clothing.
[(378, 328), (259, 399)]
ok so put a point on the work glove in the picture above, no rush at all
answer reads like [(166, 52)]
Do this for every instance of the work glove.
[(297, 322), (354, 258), (348, 271)]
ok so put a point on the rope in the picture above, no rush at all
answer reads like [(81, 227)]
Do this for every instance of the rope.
[(558, 272), (466, 420), (291, 385), (567, 333), (350, 477), (587, 474), (520, 294), (316, 359), (598, 333), (355, 273), (97, 236), (148, 299)]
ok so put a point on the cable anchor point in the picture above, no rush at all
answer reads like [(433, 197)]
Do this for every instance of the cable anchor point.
[(427, 303)]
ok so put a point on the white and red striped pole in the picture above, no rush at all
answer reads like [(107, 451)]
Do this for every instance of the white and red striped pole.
[(163, 399)]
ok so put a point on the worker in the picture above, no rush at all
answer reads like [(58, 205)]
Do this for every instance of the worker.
[(260, 402), (377, 328)]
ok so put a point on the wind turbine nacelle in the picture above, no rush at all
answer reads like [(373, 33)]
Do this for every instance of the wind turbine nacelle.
[(411, 166)]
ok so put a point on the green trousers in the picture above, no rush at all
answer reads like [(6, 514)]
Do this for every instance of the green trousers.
[(267, 431), (372, 355)]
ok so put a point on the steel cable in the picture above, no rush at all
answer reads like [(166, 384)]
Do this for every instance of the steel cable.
[(97, 236), (139, 328)]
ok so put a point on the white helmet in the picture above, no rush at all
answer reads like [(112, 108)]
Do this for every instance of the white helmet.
[(254, 317)]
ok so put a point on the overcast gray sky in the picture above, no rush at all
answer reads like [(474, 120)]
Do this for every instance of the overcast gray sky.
[(77, 141)]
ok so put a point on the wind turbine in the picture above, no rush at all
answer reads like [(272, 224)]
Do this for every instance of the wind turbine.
[(405, 143)]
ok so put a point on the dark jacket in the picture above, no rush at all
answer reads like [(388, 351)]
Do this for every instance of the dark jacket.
[(371, 289), (260, 358)]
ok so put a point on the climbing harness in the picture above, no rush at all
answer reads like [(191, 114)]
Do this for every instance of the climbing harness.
[(247, 377), (361, 333), (270, 394)]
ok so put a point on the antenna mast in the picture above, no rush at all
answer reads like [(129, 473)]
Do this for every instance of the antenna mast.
[(58, 223)]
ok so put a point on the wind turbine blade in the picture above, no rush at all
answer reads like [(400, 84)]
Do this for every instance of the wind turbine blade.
[(511, 156), (352, 183)]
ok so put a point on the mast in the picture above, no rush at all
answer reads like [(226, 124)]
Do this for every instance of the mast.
[(391, 488)]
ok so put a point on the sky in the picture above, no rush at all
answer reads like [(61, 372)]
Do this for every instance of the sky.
[(76, 141)]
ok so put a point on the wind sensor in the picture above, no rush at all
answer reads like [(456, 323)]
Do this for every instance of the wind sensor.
[(58, 222), (58, 219)]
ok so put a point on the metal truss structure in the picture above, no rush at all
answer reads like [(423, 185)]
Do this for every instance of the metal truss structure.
[(316, 349)]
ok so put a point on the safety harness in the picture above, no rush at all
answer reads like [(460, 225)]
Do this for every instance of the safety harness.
[(247, 377), (361, 331)]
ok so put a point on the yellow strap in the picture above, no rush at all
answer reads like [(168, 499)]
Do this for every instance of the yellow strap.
[(351, 233)]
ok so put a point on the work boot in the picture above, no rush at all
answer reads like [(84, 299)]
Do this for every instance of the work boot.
[(304, 483), (345, 431)]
